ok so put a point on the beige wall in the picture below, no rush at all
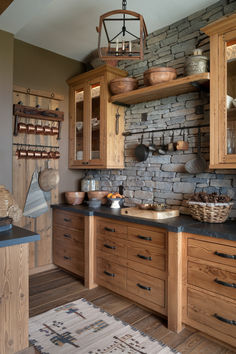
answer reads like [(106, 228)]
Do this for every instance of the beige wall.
[(6, 65), (40, 69)]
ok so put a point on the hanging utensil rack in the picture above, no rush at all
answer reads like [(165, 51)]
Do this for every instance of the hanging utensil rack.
[(19, 110), (165, 130)]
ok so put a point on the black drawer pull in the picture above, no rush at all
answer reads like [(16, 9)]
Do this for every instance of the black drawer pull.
[(230, 285), (67, 258), (110, 247), (224, 255), (108, 229), (220, 318), (143, 287), (67, 235), (85, 163), (144, 238), (67, 220), (109, 274), (144, 257)]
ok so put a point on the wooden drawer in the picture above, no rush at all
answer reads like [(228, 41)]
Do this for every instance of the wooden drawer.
[(212, 252), (68, 236), (69, 258), (147, 287), (212, 278), (109, 228), (111, 245), (111, 274), (147, 255), (212, 312), (147, 236), (68, 219)]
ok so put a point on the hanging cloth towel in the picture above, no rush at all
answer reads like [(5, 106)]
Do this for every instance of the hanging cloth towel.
[(35, 204)]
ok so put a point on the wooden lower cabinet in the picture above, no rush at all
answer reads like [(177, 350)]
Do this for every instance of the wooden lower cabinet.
[(209, 290), (132, 261), (68, 241)]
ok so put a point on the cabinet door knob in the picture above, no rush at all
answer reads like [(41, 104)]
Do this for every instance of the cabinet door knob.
[(67, 235), (143, 287), (144, 257), (144, 238), (225, 255), (109, 274)]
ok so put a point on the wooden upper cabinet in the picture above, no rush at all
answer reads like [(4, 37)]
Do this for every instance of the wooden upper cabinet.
[(94, 141), (222, 91)]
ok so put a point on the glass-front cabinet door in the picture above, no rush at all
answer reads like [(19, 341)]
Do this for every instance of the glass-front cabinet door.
[(87, 127), (222, 92)]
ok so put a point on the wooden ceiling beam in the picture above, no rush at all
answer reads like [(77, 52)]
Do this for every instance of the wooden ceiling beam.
[(4, 5)]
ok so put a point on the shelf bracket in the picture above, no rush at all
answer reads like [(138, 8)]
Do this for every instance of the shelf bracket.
[(121, 104)]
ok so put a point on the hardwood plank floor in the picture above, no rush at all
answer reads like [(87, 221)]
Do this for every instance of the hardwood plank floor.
[(56, 287)]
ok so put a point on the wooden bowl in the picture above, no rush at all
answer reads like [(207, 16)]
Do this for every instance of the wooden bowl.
[(74, 198), (101, 195), (157, 75), (121, 85)]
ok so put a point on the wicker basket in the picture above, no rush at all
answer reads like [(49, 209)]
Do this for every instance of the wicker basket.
[(8, 206), (210, 212)]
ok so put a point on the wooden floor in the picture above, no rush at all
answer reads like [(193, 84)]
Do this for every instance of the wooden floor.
[(56, 287)]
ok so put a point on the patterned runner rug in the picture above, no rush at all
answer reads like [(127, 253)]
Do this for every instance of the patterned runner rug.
[(80, 327)]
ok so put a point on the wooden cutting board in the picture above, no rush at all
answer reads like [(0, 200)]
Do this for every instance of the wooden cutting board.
[(150, 214)]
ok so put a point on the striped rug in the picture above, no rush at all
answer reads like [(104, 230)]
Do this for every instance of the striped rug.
[(80, 327)]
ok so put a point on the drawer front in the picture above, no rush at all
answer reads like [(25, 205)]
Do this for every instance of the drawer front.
[(68, 219), (212, 312), (68, 236), (114, 247), (112, 274), (147, 236), (70, 258), (212, 252), (147, 287), (146, 255), (212, 278), (109, 228)]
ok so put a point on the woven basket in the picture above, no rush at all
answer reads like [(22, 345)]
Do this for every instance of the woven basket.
[(210, 212), (8, 206)]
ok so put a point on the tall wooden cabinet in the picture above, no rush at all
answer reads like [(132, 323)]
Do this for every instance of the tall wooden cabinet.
[(222, 92), (95, 140)]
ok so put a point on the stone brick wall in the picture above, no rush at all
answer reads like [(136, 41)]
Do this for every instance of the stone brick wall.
[(162, 178)]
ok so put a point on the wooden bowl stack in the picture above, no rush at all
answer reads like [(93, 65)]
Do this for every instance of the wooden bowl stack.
[(158, 75), (101, 195), (74, 198), (123, 84)]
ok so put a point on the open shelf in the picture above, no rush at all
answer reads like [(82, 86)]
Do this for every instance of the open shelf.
[(165, 89)]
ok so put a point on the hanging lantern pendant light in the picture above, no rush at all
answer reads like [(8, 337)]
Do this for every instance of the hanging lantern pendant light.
[(123, 49)]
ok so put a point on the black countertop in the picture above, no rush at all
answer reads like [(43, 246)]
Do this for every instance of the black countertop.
[(16, 236), (182, 223)]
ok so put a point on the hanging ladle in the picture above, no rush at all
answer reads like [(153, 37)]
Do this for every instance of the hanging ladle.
[(152, 146)]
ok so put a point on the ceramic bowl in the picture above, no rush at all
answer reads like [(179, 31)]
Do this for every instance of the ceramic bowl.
[(74, 198), (94, 203)]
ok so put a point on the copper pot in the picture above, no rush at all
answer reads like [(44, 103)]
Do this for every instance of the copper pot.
[(44, 154), (22, 154), (30, 154), (30, 129), (22, 127), (47, 130), (37, 154), (51, 155), (39, 129), (57, 155), (54, 131)]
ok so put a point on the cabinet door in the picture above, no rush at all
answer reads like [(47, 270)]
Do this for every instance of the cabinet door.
[(227, 98), (95, 122)]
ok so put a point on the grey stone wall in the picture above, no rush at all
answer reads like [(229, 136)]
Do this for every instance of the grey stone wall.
[(162, 178)]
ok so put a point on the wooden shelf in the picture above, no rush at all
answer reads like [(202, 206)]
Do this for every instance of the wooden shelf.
[(166, 89)]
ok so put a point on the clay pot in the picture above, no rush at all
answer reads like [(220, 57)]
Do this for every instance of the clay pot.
[(74, 198), (121, 85), (157, 75), (101, 195)]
